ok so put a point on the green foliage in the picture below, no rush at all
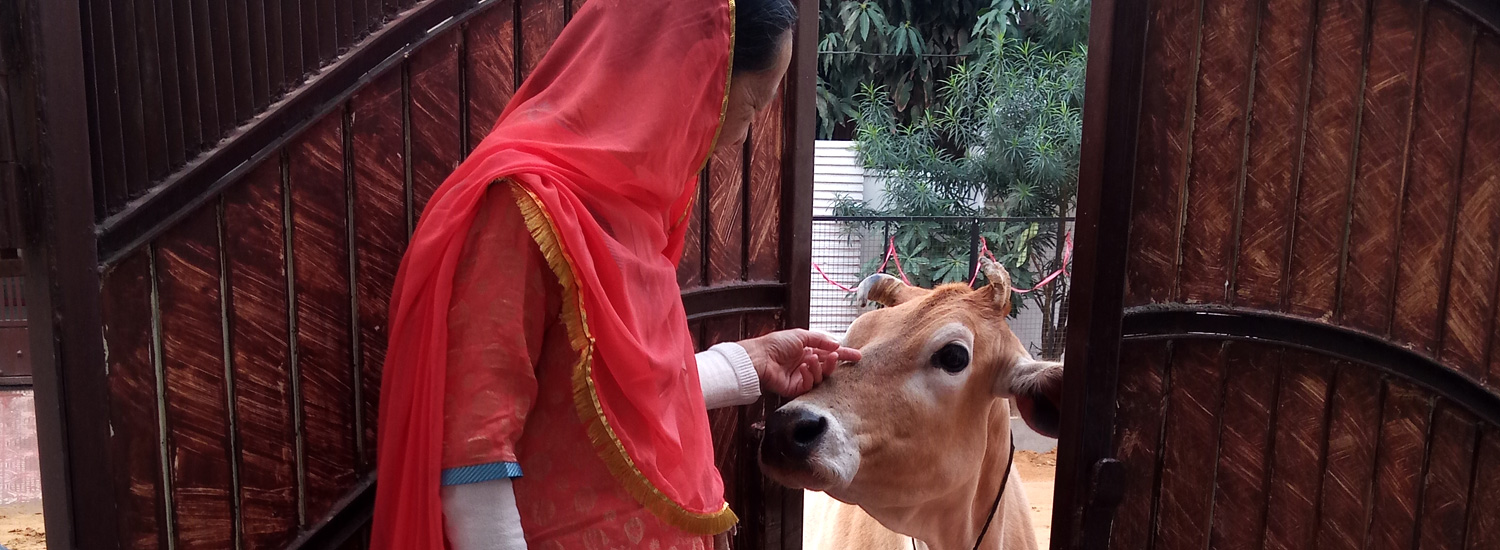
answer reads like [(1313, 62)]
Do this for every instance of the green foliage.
[(1005, 127), (909, 47)]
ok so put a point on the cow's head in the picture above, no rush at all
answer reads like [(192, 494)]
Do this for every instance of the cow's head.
[(911, 421)]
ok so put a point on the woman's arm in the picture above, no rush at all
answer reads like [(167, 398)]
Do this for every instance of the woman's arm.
[(728, 376)]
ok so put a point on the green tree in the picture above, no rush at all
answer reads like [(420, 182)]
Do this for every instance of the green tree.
[(1001, 139), (910, 46)]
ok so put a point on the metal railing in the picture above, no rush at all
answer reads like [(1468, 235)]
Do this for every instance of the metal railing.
[(938, 249)]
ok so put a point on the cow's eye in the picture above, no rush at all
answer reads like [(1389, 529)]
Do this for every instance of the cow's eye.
[(952, 358)]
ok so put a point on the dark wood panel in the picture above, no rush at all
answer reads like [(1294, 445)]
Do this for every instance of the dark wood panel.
[(435, 131), (128, 88), (106, 119), (379, 227), (690, 268), (1161, 151), (192, 341), (1191, 438), (1431, 199), (1471, 301), (153, 146), (1333, 101), (1300, 446), (1483, 528), (1245, 440), (725, 245), (255, 249), (1383, 137), (489, 71), (1405, 420), (228, 94), (195, 134), (764, 223), (133, 392), (237, 31), (1272, 153), (1137, 439), (320, 263), (1217, 144), (174, 106), (1353, 429), (541, 22), (263, 89), (215, 109), (1445, 496)]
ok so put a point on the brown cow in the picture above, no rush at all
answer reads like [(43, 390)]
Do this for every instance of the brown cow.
[(917, 434)]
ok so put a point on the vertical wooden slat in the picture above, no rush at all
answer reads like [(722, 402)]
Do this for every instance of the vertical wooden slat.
[(323, 348), (380, 226), (1383, 134), (194, 131), (1399, 467), (128, 69), (328, 32), (154, 146), (1161, 151), (309, 10), (133, 410), (764, 224), (108, 119), (435, 126), (204, 79), (359, 16), (276, 56), (345, 23), (1138, 425), (255, 248), (167, 59), (243, 78), (1353, 430), (262, 87), (1272, 151), (725, 246), (489, 71), (541, 22), (1471, 300), (1191, 440), (219, 54), (1483, 528), (1240, 490), (690, 266), (1445, 496), (1217, 150), (1334, 94), (1301, 441), (1431, 199), (187, 278)]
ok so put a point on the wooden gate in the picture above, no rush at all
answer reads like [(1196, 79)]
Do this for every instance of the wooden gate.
[(217, 195), (1284, 323)]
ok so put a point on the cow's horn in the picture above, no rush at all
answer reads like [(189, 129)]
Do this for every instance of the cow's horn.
[(999, 282), (878, 288)]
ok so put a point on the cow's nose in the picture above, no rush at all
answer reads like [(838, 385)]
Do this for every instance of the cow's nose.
[(792, 433)]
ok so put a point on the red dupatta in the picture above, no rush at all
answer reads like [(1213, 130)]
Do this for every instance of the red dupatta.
[(604, 141)]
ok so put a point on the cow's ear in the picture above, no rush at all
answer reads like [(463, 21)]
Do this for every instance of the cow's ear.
[(998, 290), (887, 291), (1036, 386)]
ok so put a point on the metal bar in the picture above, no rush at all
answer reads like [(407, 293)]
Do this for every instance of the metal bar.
[(938, 219)]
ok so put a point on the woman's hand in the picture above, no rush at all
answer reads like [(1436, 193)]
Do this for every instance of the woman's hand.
[(791, 362)]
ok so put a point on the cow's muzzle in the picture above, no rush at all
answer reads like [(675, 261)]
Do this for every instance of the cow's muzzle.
[(792, 433)]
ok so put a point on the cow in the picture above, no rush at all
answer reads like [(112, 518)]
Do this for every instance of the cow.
[(915, 438)]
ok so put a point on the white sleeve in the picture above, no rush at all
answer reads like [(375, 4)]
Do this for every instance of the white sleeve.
[(482, 516), (727, 376)]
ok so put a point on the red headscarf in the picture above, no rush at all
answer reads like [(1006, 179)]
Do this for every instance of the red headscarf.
[(605, 138)]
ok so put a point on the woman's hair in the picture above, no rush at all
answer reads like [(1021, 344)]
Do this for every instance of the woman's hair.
[(759, 26)]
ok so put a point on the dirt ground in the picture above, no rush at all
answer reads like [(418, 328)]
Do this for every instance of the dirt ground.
[(21, 526), (1038, 471)]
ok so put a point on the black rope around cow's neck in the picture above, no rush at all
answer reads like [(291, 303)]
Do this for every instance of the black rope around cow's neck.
[(996, 506)]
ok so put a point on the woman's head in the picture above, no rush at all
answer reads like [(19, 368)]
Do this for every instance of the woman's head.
[(762, 52)]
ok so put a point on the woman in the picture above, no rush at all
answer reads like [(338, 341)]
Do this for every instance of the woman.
[(540, 389)]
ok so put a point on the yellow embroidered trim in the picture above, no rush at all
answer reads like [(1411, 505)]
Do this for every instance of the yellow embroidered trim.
[(585, 396)]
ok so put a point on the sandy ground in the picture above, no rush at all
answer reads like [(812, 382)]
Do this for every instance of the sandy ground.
[(1038, 471), (21, 526)]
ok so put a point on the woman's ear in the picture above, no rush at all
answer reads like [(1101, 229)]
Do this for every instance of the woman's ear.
[(1036, 386)]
